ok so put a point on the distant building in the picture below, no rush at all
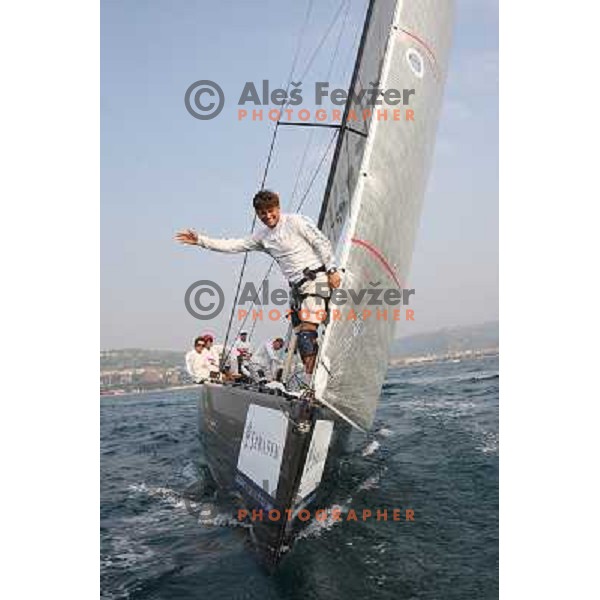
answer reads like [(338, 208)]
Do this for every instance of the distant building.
[(151, 376), (172, 377)]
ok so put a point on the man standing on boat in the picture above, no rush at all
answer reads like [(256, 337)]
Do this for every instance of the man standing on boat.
[(304, 255)]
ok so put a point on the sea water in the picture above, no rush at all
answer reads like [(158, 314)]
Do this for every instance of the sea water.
[(433, 449)]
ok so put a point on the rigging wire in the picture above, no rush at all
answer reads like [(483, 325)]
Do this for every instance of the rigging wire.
[(301, 167), (287, 88), (327, 78), (323, 39), (338, 42), (264, 179), (321, 162), (301, 38)]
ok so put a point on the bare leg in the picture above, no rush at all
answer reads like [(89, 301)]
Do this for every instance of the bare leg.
[(309, 364), (308, 361)]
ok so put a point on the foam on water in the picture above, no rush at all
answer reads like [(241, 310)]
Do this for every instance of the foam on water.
[(164, 494), (316, 528), (221, 519), (128, 552), (371, 482), (384, 432), (371, 448)]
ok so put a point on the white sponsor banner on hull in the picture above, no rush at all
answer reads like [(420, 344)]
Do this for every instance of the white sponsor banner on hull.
[(316, 457), (262, 446)]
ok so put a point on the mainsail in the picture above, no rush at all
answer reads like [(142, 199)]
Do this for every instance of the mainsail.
[(375, 192)]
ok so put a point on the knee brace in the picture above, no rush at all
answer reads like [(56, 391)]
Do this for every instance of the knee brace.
[(307, 343)]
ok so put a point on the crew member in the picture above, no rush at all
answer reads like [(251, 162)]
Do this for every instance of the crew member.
[(212, 353), (241, 352), (304, 255), (196, 363), (267, 360)]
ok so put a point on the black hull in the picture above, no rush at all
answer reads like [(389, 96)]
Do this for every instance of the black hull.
[(233, 447)]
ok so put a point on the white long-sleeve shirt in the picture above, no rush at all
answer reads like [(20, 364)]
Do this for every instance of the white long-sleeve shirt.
[(197, 365), (268, 359), (295, 243), (240, 348)]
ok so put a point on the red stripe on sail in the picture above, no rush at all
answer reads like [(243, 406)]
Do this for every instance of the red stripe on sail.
[(426, 46), (379, 256)]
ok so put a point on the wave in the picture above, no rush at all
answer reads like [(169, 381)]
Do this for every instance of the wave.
[(126, 553), (371, 482), (207, 513), (434, 382), (316, 528), (485, 378), (165, 436), (165, 494)]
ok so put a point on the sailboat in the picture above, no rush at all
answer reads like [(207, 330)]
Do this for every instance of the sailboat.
[(271, 449)]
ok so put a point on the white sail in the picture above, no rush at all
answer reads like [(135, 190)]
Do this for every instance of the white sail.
[(376, 194)]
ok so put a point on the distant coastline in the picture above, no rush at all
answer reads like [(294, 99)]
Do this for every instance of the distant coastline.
[(449, 357)]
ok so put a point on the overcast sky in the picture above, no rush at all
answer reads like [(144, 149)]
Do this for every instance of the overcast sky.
[(163, 170)]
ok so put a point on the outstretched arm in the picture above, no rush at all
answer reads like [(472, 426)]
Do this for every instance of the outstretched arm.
[(191, 238)]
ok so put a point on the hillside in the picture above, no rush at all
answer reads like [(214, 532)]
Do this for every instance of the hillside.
[(452, 340)]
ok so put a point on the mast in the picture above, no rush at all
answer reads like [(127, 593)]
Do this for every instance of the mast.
[(344, 124)]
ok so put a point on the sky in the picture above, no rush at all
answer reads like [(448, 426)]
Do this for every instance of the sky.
[(162, 170)]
